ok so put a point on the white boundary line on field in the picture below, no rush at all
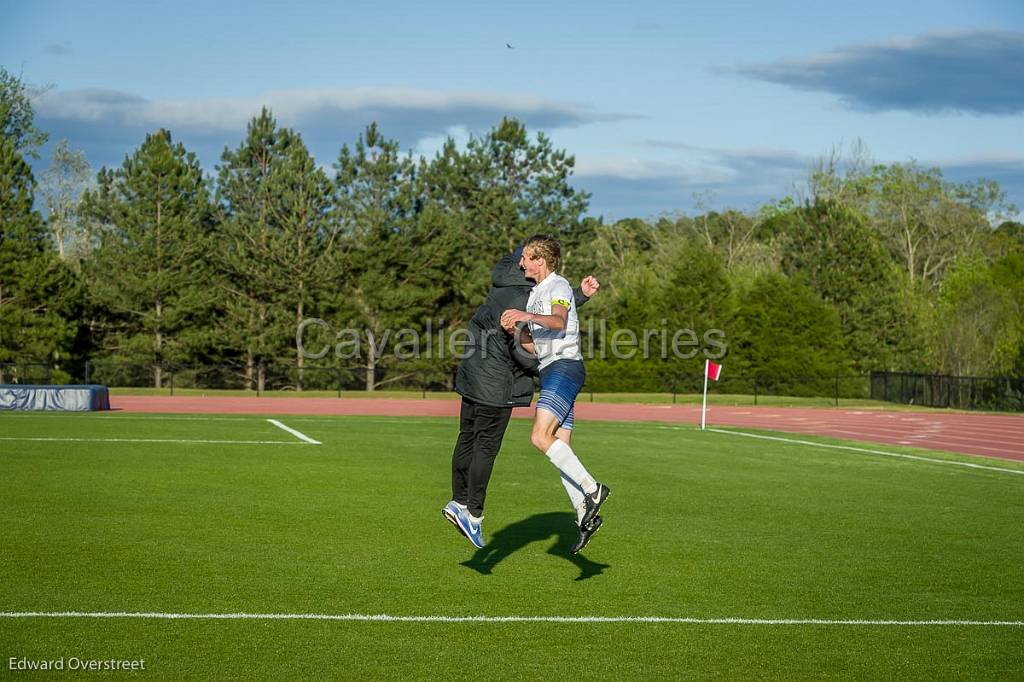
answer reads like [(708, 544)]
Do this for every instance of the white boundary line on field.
[(383, 617), (149, 440), (298, 434), (884, 453)]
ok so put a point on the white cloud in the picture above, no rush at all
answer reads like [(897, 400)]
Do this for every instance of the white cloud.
[(733, 178), (109, 124), (638, 169), (295, 107)]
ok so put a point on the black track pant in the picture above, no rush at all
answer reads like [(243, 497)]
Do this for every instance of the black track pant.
[(481, 429)]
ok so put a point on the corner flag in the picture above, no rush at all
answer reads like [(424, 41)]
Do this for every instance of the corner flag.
[(711, 371)]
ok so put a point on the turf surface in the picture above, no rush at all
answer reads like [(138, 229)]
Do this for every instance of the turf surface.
[(701, 525)]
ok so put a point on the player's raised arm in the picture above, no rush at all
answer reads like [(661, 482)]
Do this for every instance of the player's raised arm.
[(587, 288)]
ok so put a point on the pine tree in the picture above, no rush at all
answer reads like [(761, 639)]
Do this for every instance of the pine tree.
[(833, 248), (39, 295), (787, 337), (275, 246), (299, 251), (393, 261), (148, 271), (252, 321)]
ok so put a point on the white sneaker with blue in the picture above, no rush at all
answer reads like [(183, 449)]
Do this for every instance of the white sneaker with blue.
[(451, 512), (472, 527)]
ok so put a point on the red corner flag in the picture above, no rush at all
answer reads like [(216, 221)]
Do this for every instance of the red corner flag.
[(711, 371)]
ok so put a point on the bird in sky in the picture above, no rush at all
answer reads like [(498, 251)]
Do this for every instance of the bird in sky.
[(509, 46)]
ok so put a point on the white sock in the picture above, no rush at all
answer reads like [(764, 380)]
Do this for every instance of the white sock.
[(562, 456), (575, 495), (580, 511), (476, 520), (460, 506)]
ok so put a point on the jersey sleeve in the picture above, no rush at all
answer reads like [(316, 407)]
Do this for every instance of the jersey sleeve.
[(561, 294)]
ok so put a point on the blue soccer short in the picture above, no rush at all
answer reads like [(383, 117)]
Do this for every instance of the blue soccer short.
[(560, 383)]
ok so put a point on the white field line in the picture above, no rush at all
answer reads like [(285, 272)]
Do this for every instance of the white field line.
[(150, 440), (883, 453), (382, 617), (298, 434)]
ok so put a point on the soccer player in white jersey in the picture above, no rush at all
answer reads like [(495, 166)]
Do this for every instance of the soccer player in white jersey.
[(554, 327)]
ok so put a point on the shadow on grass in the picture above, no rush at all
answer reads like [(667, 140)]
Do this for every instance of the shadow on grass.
[(512, 538)]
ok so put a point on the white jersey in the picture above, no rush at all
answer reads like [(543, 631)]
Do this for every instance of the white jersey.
[(552, 345)]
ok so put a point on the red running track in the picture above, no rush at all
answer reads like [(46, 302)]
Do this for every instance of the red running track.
[(999, 436)]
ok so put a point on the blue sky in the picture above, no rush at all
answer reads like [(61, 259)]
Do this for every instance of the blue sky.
[(658, 101)]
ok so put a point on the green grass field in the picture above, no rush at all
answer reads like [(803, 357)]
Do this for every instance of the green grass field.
[(132, 518)]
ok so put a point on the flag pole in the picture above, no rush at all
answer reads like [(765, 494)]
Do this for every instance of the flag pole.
[(704, 404)]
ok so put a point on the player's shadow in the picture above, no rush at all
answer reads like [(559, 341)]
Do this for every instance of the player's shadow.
[(512, 538)]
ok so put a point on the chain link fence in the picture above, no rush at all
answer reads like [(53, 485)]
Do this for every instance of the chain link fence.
[(1003, 394)]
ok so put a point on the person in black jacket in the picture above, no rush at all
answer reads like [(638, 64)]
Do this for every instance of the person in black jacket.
[(494, 377)]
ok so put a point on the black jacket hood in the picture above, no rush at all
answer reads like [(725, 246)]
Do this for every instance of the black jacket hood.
[(507, 273)]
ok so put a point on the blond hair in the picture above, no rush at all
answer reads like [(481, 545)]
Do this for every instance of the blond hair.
[(546, 247)]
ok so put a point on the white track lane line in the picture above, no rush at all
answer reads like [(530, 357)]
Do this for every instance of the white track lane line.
[(883, 453), (298, 434)]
